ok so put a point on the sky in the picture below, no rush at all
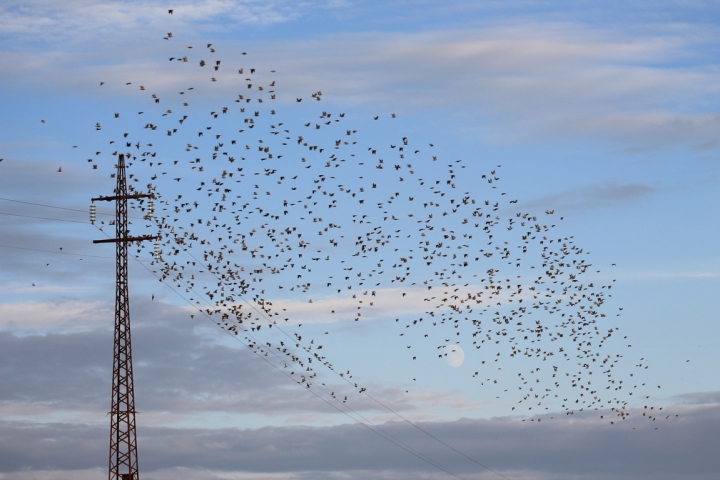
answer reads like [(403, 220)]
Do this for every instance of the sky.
[(598, 118)]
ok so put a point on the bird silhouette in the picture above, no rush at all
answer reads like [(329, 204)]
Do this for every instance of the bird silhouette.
[(273, 216)]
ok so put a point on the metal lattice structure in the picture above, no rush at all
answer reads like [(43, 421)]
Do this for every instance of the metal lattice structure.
[(123, 464)]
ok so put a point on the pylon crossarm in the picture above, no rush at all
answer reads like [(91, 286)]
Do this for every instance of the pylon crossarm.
[(123, 197), (127, 239)]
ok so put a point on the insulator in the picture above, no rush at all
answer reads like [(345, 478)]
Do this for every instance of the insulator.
[(151, 207), (92, 213)]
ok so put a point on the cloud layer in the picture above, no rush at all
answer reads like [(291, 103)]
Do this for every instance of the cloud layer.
[(559, 448)]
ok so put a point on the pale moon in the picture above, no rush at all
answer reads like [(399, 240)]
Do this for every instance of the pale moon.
[(454, 355)]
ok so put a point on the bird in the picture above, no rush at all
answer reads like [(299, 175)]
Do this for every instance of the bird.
[(266, 228)]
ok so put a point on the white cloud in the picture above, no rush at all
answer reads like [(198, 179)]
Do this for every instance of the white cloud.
[(63, 315), (592, 196), (549, 79), (698, 398), (384, 303), (43, 19), (539, 79)]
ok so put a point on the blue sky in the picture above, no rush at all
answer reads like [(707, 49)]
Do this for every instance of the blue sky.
[(604, 114)]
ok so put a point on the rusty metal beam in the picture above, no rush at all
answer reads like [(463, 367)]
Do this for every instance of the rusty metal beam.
[(123, 197), (127, 239), (123, 463)]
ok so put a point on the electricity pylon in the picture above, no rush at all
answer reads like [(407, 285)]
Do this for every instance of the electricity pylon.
[(123, 463)]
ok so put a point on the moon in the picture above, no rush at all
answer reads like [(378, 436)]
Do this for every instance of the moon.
[(454, 355)]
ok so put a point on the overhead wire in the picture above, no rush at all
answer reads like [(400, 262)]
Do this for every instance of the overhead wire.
[(50, 251), (369, 425), (59, 208), (262, 314), (42, 218)]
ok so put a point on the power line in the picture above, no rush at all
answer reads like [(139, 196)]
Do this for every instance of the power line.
[(373, 428), (50, 251), (435, 438), (383, 434), (262, 314), (59, 208), (42, 218), (368, 423), (48, 206)]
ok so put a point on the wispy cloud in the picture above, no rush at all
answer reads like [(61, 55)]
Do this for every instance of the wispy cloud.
[(384, 303), (698, 398), (593, 196), (665, 274), (541, 80), (551, 80), (43, 19), (34, 315)]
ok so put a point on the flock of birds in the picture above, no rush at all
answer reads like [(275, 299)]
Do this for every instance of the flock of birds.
[(264, 219)]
